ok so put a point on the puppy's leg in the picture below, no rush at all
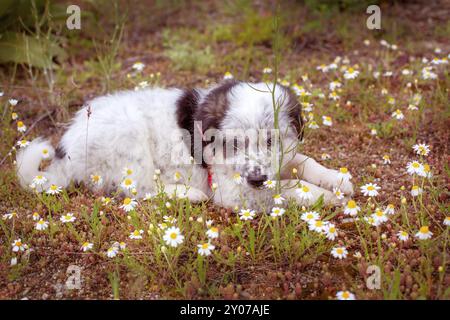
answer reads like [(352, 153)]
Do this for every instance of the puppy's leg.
[(288, 190), (181, 191), (315, 173)]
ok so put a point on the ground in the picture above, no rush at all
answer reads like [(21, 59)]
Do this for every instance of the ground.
[(185, 44)]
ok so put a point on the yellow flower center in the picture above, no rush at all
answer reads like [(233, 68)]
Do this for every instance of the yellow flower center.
[(18, 243), (53, 187), (343, 170), (424, 229), (319, 223), (370, 188), (345, 295), (351, 204), (128, 182), (339, 251), (415, 165), (305, 189), (214, 229), (19, 124), (332, 230), (205, 246), (45, 151), (127, 201), (173, 235)]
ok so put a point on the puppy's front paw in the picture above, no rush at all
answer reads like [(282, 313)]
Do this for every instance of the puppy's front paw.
[(333, 180)]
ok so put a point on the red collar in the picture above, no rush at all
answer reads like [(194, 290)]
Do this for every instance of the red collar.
[(210, 174)]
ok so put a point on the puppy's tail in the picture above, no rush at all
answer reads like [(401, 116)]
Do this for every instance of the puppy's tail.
[(28, 161)]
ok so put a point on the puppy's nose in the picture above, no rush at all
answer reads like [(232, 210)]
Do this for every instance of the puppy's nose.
[(256, 180)]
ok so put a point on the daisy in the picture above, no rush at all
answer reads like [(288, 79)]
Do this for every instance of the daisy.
[(136, 234), (414, 167), (416, 190), (112, 252), (247, 214), (212, 233), (21, 127), (310, 216), (96, 179), (68, 217), (304, 193), (9, 216), (412, 107), (41, 225), (344, 174), (390, 209), (128, 204), (127, 184), (13, 102), (339, 252), (446, 221), (373, 132), (39, 180), (334, 85), (17, 245), (277, 212), (370, 189), (237, 178), (331, 232), (45, 153), (204, 249), (379, 216), (421, 149), (106, 200), (14, 116), (424, 233), (267, 70), (209, 223), (426, 171), (126, 172), (327, 121), (334, 96), (351, 73), (313, 125), (173, 237), (345, 295), (318, 225), (278, 199), (269, 184), (177, 176), (86, 246), (53, 189), (398, 114), (403, 235), (23, 143), (337, 192), (138, 66), (36, 216), (227, 76), (322, 68), (386, 159)]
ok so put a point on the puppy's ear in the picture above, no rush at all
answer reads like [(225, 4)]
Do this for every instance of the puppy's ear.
[(295, 113)]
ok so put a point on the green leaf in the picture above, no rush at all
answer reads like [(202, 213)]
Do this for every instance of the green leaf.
[(21, 48)]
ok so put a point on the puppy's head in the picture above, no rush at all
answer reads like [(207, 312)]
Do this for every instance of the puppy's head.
[(250, 129)]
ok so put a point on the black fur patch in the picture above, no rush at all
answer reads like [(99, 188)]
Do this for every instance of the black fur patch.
[(60, 153)]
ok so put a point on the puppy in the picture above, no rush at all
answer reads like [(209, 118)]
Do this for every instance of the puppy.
[(229, 143)]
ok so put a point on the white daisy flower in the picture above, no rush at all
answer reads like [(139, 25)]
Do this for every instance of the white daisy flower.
[(86, 246), (403, 235), (421, 149), (370, 189), (18, 245), (390, 209), (96, 179), (128, 204), (227, 76), (14, 116), (345, 295), (41, 225), (173, 237), (212, 233), (126, 172), (398, 114), (204, 249), (334, 96), (267, 70), (339, 252), (310, 216), (247, 214), (21, 127), (351, 73), (23, 143), (138, 66), (317, 225), (53, 189), (269, 184), (344, 174), (39, 180), (237, 178), (13, 102), (9, 216), (278, 199), (386, 159), (327, 121), (112, 252), (446, 221), (277, 212), (338, 193), (36, 216), (414, 167), (379, 216), (331, 232), (416, 190), (304, 192), (128, 184), (313, 125), (424, 233), (68, 217), (334, 85), (136, 234)]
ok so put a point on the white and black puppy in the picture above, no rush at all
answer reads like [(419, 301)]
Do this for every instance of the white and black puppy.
[(172, 138)]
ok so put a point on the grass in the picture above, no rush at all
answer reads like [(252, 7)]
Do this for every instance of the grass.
[(260, 258)]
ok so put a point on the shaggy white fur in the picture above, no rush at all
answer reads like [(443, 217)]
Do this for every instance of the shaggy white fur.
[(140, 130)]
